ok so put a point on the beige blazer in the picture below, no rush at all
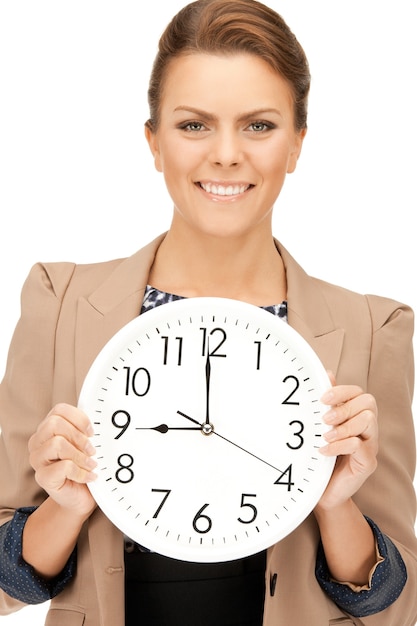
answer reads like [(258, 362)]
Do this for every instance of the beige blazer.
[(70, 311)]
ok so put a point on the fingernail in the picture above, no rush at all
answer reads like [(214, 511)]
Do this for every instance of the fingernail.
[(327, 397), (331, 435), (89, 448), (91, 463), (329, 417)]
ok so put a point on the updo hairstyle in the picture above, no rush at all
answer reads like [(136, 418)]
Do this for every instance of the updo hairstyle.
[(226, 27)]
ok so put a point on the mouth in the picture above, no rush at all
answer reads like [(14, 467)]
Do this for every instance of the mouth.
[(225, 190)]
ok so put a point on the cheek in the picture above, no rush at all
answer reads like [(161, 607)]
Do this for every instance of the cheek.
[(273, 167), (273, 159), (177, 156), (181, 165)]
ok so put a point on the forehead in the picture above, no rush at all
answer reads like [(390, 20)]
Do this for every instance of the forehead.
[(224, 83)]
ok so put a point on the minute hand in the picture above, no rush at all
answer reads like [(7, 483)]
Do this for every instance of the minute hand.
[(208, 374)]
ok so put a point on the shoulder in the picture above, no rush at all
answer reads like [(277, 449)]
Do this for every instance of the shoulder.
[(340, 307), (53, 279), (350, 304)]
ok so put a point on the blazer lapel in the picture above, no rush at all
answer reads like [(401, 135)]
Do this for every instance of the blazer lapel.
[(309, 314), (112, 305)]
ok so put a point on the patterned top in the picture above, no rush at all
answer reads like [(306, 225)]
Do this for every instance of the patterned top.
[(154, 297), (387, 578)]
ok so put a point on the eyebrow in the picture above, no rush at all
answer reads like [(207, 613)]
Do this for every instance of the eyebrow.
[(242, 116)]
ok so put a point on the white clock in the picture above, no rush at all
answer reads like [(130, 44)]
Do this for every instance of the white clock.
[(208, 425)]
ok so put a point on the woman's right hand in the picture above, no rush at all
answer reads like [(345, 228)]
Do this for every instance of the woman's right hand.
[(61, 455)]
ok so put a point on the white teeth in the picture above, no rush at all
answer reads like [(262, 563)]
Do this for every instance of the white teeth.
[(221, 190)]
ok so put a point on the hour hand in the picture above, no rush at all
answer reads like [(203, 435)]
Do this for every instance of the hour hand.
[(164, 428), (206, 428), (187, 417)]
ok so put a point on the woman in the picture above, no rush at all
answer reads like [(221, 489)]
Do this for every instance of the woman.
[(228, 117)]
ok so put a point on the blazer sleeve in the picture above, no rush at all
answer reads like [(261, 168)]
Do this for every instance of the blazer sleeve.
[(26, 390), (388, 496)]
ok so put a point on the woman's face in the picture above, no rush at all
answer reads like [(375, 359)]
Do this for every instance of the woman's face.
[(225, 142)]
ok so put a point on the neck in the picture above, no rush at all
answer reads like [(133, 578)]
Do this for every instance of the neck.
[(248, 269)]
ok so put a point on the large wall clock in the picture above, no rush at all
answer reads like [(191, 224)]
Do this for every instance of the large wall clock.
[(208, 425)]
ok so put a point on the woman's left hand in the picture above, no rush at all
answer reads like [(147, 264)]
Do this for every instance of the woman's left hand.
[(353, 438)]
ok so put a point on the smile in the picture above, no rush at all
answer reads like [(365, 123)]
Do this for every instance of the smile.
[(224, 190)]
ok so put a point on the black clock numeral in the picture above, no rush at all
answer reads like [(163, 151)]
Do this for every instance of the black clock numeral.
[(258, 354), (164, 499), (250, 506), (125, 473), (179, 347), (221, 340), (285, 478), (122, 424), (204, 522), (139, 382), (296, 384), (297, 434)]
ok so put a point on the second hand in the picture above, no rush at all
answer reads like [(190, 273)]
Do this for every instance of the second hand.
[(228, 441)]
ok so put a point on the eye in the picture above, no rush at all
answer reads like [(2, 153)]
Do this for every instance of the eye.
[(261, 126), (192, 127)]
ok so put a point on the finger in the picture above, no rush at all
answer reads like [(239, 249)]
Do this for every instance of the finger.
[(363, 426), (360, 456), (47, 447), (57, 462), (364, 405), (74, 416), (67, 422), (52, 478), (341, 393), (59, 448), (331, 377)]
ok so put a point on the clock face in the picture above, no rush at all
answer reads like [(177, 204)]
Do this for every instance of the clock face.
[(208, 422)]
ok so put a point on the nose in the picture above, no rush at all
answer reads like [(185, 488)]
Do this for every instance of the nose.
[(226, 150)]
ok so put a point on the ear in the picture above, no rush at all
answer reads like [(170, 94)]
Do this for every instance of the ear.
[(152, 139), (295, 153)]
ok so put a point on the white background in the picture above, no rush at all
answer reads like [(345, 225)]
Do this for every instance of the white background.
[(77, 181)]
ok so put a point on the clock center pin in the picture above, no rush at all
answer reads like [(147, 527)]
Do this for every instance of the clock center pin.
[(207, 429)]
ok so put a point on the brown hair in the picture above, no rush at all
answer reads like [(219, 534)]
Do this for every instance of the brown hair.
[(229, 27)]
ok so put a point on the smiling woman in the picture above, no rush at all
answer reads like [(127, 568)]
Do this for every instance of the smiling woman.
[(228, 118), (234, 159)]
